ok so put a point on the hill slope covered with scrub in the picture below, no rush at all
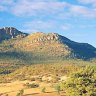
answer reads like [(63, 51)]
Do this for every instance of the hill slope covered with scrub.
[(40, 47), (45, 62)]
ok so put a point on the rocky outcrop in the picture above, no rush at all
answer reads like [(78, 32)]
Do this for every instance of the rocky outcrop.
[(10, 32)]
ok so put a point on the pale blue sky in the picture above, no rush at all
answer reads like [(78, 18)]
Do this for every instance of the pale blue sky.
[(75, 19)]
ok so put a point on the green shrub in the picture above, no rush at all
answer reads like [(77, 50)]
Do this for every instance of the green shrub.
[(18, 94), (81, 83), (21, 92), (33, 85), (57, 88), (43, 90), (32, 79)]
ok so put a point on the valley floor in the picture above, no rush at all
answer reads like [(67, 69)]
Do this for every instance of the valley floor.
[(11, 89)]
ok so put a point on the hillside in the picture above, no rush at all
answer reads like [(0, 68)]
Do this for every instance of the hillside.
[(20, 48), (55, 45)]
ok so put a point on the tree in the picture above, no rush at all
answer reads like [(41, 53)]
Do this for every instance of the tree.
[(21, 92), (43, 90), (81, 83), (57, 87)]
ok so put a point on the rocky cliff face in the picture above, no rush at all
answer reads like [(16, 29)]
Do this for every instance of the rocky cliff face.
[(10, 32)]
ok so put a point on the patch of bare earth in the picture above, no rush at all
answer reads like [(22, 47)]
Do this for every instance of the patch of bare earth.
[(13, 88)]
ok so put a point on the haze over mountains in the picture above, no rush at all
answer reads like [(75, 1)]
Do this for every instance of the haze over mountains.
[(23, 47)]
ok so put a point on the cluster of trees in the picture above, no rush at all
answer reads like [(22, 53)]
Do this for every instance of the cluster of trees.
[(81, 83)]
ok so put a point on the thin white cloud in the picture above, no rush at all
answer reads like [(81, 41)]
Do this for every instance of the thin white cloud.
[(92, 2), (66, 27), (82, 11), (91, 26), (87, 1), (52, 8), (41, 0), (6, 2), (38, 25), (2, 8), (38, 8), (5, 5), (31, 30)]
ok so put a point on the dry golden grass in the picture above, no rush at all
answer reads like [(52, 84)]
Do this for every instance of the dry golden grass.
[(13, 88)]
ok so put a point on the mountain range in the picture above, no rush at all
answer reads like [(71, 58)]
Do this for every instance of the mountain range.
[(19, 47)]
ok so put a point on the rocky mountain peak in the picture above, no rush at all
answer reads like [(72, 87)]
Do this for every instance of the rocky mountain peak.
[(10, 32)]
